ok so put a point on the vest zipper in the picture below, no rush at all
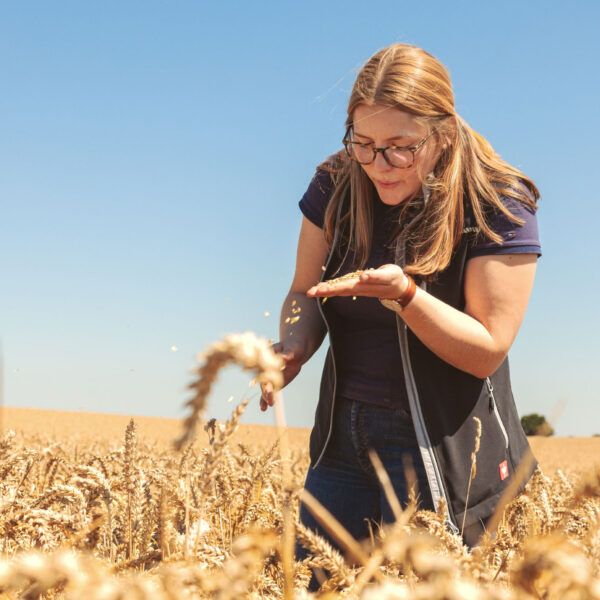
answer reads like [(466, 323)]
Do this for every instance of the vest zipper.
[(334, 387), (494, 407), (432, 469), (320, 305)]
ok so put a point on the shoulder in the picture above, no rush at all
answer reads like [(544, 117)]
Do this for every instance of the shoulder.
[(519, 234), (315, 200)]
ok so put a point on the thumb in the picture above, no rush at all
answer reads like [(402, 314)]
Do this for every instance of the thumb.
[(288, 355)]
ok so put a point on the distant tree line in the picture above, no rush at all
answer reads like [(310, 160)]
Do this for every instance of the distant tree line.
[(534, 424)]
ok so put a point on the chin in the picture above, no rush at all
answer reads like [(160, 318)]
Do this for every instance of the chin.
[(392, 199)]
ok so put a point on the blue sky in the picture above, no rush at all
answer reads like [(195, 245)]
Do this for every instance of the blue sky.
[(153, 155)]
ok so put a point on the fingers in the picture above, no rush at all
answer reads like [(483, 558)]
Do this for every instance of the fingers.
[(386, 281), (384, 275), (266, 398), (342, 288), (357, 288), (291, 368), (264, 403)]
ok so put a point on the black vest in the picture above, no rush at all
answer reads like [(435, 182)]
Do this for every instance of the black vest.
[(443, 402)]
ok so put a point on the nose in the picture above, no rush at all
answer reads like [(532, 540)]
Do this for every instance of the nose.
[(380, 163)]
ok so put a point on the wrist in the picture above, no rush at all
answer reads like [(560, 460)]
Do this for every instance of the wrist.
[(409, 282), (401, 302)]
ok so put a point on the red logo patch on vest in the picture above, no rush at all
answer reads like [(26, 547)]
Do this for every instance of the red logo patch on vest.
[(503, 468)]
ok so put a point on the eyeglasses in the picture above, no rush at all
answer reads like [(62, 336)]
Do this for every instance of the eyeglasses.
[(401, 157)]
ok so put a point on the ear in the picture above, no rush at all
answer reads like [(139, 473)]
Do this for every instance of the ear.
[(446, 134), (450, 133)]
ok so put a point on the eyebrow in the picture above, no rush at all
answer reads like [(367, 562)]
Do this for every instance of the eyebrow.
[(404, 136)]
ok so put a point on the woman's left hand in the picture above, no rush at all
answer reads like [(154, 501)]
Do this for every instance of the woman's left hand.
[(388, 281)]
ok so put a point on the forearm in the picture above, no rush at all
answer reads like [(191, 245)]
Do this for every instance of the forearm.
[(301, 323), (454, 336), (475, 340)]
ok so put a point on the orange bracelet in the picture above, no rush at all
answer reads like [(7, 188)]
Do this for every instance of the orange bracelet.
[(402, 301)]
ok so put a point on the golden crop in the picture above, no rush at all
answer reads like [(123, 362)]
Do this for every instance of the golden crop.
[(135, 520)]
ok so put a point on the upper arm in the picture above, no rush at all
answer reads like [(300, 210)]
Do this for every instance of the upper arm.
[(311, 256), (497, 290)]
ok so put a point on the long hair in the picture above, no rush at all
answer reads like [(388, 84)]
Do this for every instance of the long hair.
[(467, 170)]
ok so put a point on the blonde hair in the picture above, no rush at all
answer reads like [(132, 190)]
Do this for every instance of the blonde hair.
[(467, 169)]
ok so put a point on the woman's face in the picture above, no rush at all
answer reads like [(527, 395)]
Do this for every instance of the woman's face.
[(384, 126)]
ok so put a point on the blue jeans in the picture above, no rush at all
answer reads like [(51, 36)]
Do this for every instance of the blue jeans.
[(345, 482)]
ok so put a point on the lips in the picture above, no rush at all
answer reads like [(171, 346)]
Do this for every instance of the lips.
[(387, 184)]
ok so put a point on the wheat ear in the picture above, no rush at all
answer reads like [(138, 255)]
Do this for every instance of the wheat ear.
[(473, 469), (324, 555), (246, 350), (216, 449), (130, 481), (336, 530), (518, 477)]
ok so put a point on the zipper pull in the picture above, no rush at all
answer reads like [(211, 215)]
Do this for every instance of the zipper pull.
[(490, 393)]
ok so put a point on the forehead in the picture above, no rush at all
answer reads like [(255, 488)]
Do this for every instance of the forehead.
[(385, 122)]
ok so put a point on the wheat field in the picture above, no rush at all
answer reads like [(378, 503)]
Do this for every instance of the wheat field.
[(119, 511)]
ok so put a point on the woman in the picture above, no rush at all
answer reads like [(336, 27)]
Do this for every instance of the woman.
[(444, 232)]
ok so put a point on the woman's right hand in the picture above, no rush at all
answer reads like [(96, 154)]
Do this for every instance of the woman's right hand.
[(301, 327), (292, 357)]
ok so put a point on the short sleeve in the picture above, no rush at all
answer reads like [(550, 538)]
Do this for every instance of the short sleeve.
[(316, 198), (516, 239)]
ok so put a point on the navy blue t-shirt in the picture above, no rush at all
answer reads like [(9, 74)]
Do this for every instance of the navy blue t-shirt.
[(368, 361)]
